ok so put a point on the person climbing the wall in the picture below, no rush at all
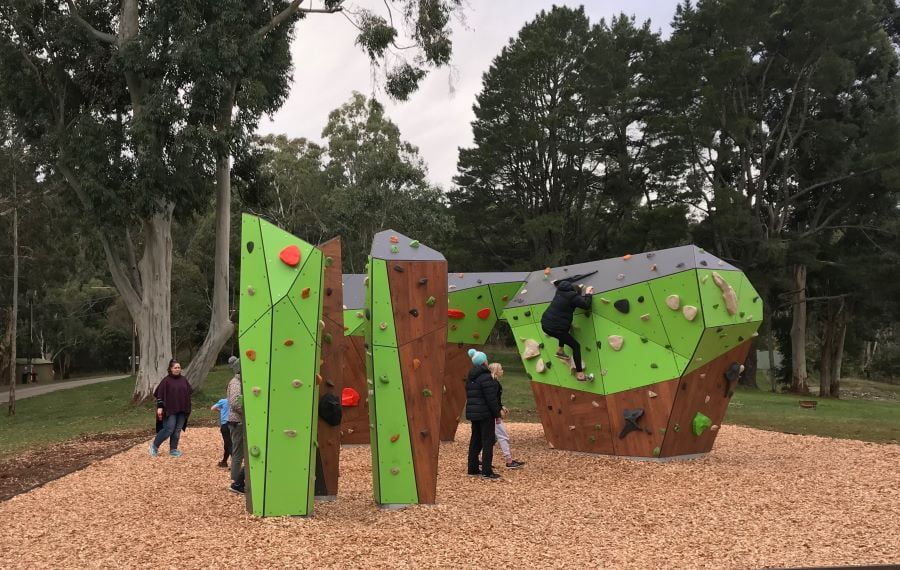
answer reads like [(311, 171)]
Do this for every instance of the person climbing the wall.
[(173, 406), (236, 426), (557, 320), (482, 410), (499, 425)]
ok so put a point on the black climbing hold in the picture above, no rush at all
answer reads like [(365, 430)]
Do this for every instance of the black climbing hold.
[(644, 339), (330, 383), (718, 330), (740, 339), (684, 385), (515, 317), (414, 312), (549, 364), (549, 407), (669, 346), (398, 268), (641, 299), (459, 344), (622, 306), (366, 345), (648, 430), (631, 421), (423, 281), (716, 306), (479, 282), (479, 297), (559, 411), (249, 247), (703, 263), (599, 345), (755, 299), (680, 265), (328, 292), (368, 314), (742, 314), (527, 313), (565, 268), (541, 345)]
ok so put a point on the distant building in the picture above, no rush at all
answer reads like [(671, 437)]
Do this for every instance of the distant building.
[(41, 369), (762, 359)]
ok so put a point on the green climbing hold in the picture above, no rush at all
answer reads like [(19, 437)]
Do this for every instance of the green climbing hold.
[(327, 338), (591, 439), (426, 392), (656, 451), (328, 261), (384, 379), (414, 243), (662, 430), (430, 301), (598, 427), (700, 424), (395, 249), (654, 365), (677, 428), (254, 451)]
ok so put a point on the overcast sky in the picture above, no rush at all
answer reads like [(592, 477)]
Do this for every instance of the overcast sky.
[(328, 67)]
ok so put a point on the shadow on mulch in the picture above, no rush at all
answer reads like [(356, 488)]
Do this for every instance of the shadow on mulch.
[(31, 469)]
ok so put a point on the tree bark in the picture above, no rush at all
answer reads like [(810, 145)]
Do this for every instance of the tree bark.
[(220, 326), (799, 375), (11, 409), (826, 351), (770, 343)]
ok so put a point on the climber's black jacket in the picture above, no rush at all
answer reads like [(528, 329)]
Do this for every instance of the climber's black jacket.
[(482, 395), (558, 318)]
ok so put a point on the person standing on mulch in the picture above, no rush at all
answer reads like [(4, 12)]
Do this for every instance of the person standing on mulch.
[(222, 407), (557, 320), (499, 425), (173, 406), (236, 426), (482, 409)]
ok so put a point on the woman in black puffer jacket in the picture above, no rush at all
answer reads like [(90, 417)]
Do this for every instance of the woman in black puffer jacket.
[(557, 320), (482, 409)]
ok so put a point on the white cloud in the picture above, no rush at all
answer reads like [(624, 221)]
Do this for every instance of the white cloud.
[(328, 67)]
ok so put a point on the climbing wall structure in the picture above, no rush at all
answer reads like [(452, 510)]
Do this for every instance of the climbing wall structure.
[(406, 337), (328, 450), (280, 332), (475, 303), (664, 340), (354, 395)]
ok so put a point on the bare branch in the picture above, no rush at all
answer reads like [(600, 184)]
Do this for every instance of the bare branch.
[(291, 9), (98, 35)]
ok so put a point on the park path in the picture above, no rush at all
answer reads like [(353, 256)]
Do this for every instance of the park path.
[(28, 392)]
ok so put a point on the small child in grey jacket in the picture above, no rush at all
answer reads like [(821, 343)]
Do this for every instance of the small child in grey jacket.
[(500, 427)]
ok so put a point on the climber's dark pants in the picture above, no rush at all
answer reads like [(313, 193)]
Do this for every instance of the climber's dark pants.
[(565, 338)]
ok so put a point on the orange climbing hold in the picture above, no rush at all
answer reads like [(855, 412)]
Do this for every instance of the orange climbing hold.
[(547, 271), (455, 314), (484, 313), (318, 378), (305, 293), (416, 363), (395, 437), (476, 335), (288, 342), (626, 257), (251, 354), (394, 239), (290, 255)]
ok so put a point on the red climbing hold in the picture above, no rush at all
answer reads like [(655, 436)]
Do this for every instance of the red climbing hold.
[(251, 354), (289, 342), (290, 255), (349, 398), (455, 314), (484, 313)]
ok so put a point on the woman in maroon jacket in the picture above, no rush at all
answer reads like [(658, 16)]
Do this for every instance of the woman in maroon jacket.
[(173, 406)]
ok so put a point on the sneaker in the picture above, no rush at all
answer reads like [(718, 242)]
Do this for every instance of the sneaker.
[(514, 464), (491, 476), (153, 451), (222, 464), (475, 474), (236, 488), (175, 453)]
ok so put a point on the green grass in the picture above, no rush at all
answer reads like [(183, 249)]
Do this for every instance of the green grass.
[(97, 408)]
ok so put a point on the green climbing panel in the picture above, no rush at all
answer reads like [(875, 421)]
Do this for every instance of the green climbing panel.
[(306, 292), (501, 293), (281, 275), (519, 316), (471, 329), (354, 322), (750, 304), (531, 332), (638, 363), (383, 331), (391, 448), (719, 340), (292, 414), (255, 299), (715, 314), (255, 388), (642, 316), (683, 334)]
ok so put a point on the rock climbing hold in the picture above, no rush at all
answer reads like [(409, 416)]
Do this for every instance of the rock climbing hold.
[(328, 261), (755, 299), (394, 470), (426, 392), (547, 271), (251, 354), (395, 249), (680, 265), (453, 327), (622, 306), (626, 257), (395, 437), (644, 340), (645, 317), (384, 379), (539, 366), (290, 432), (504, 298), (305, 293), (591, 439), (414, 244), (455, 314), (653, 267), (571, 428), (604, 301), (604, 372), (700, 423), (254, 451), (251, 291), (595, 403), (655, 452), (706, 399), (728, 294), (631, 421), (572, 397), (423, 281), (532, 349), (702, 376), (598, 427), (399, 268), (673, 302), (616, 342), (256, 390), (714, 428), (424, 433), (652, 394), (296, 383), (476, 335), (394, 239), (290, 255), (288, 342), (740, 339), (249, 247), (620, 276), (319, 379), (704, 279), (676, 428), (414, 312), (704, 263), (689, 312), (327, 338), (382, 326), (430, 301), (484, 313), (654, 365)]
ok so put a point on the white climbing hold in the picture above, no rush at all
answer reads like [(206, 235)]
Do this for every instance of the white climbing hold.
[(645, 317), (702, 376), (714, 428), (595, 403), (532, 349), (616, 342), (539, 366), (742, 368), (721, 263), (652, 394), (754, 335), (452, 287), (620, 276), (523, 291), (572, 397), (604, 300), (704, 279), (603, 372), (706, 400), (673, 302), (728, 294), (689, 312), (571, 428)]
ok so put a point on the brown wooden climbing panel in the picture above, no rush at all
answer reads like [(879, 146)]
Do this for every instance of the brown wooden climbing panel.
[(418, 297), (704, 390), (573, 420), (656, 400), (456, 367), (355, 422), (331, 369), (422, 367)]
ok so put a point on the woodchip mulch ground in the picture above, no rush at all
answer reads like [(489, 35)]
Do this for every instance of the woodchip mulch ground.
[(760, 499)]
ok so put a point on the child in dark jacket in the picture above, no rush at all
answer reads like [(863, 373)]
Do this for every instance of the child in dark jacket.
[(482, 409), (557, 320)]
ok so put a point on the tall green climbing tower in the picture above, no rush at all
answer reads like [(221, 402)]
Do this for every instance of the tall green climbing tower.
[(280, 333)]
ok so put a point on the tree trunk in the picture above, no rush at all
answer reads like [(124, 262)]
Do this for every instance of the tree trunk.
[(799, 376), (220, 326), (840, 337), (11, 409), (826, 351), (748, 378), (770, 344)]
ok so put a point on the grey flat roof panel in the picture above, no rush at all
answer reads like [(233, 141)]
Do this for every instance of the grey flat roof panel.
[(354, 290), (381, 248), (461, 281)]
